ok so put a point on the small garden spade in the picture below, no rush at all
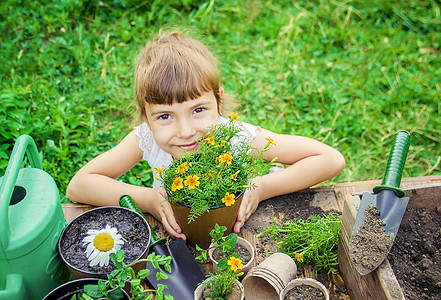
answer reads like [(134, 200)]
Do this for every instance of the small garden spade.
[(388, 198), (185, 274)]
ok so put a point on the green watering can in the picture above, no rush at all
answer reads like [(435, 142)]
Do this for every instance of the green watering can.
[(31, 221)]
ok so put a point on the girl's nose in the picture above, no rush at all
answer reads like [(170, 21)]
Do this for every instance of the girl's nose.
[(186, 129)]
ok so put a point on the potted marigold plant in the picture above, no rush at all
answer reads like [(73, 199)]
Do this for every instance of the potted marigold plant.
[(205, 187), (225, 284)]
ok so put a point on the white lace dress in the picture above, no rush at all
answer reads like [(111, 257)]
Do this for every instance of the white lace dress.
[(157, 158)]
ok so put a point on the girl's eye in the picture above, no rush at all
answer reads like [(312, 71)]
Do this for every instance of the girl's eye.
[(199, 110), (164, 117)]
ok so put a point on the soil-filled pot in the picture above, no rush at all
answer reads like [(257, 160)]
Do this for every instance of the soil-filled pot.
[(304, 289), (236, 294), (133, 237), (198, 231), (243, 248), (67, 290)]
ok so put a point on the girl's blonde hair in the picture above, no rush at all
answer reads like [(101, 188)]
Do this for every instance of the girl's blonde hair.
[(176, 68)]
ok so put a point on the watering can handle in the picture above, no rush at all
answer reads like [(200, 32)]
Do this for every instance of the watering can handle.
[(23, 145)]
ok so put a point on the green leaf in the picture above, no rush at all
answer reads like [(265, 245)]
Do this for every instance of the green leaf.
[(93, 290), (167, 267), (144, 273), (161, 275), (222, 264), (116, 294)]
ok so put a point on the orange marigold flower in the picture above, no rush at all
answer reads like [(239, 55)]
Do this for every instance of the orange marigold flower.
[(192, 182), (235, 263), (182, 168), (225, 158), (222, 143), (271, 141), (177, 184), (210, 140), (234, 116), (298, 257), (228, 199), (234, 177), (159, 170)]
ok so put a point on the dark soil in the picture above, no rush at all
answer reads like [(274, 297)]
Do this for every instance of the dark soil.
[(416, 254), (286, 207), (305, 292), (130, 225), (370, 245), (240, 250)]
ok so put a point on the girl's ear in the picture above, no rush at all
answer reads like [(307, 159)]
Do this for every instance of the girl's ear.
[(141, 113), (221, 91)]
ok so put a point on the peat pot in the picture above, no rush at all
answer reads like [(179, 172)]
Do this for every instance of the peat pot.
[(305, 284), (132, 227), (236, 294), (198, 231), (67, 290), (240, 241), (267, 280)]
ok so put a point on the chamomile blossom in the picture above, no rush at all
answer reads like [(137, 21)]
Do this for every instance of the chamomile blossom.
[(100, 244)]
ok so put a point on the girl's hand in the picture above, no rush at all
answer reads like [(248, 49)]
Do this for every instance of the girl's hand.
[(250, 202), (163, 212)]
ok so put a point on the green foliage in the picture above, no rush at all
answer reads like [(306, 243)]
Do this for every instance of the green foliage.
[(312, 240), (347, 73), (221, 284), (124, 274), (214, 175)]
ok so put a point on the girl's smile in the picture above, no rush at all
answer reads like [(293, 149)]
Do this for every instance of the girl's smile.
[(176, 127)]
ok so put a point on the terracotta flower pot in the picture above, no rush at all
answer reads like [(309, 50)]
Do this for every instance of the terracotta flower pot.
[(133, 229), (304, 282), (240, 241), (198, 231), (268, 279), (236, 294), (67, 290)]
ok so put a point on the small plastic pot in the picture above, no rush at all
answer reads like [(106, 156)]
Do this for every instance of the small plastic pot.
[(240, 241), (71, 248), (304, 281), (67, 290)]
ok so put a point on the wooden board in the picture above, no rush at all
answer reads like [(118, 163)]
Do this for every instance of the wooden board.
[(381, 283)]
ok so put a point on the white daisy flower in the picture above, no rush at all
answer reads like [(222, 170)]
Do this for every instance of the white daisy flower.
[(100, 243)]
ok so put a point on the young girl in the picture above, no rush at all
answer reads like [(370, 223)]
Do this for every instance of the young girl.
[(178, 98)]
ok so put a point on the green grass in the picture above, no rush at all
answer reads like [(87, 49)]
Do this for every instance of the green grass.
[(348, 73)]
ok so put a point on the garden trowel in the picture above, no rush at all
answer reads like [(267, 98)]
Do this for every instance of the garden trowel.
[(185, 274), (387, 198)]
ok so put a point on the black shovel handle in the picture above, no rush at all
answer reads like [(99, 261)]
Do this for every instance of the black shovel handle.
[(395, 164), (127, 202)]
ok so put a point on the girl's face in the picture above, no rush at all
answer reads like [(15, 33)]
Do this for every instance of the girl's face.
[(176, 127)]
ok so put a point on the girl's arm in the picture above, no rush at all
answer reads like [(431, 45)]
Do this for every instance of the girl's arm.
[(96, 184), (311, 162)]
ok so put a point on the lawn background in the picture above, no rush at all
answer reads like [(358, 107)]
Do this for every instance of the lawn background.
[(348, 73)]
